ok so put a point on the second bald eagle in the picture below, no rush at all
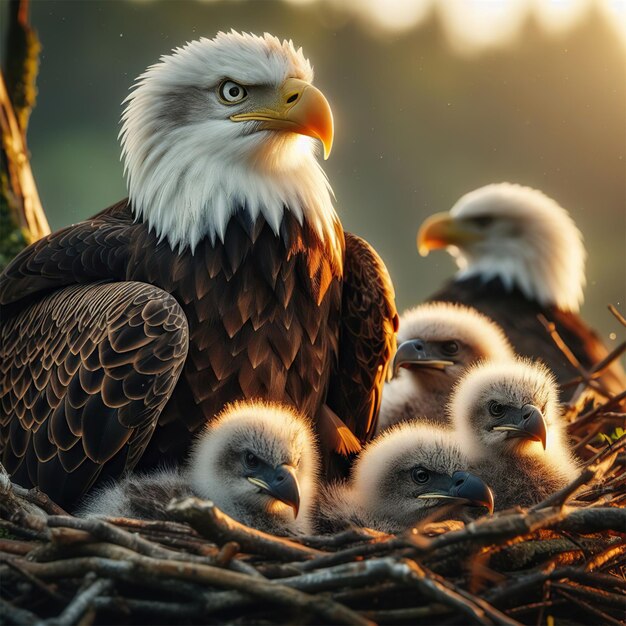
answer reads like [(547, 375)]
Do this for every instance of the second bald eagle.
[(520, 255), (225, 275)]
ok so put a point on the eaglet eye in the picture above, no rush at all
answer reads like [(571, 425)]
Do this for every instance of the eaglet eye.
[(450, 347), (496, 409), (251, 460), (231, 92), (420, 475)]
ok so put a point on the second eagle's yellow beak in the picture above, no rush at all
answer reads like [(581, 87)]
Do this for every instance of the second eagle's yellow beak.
[(440, 231), (299, 108)]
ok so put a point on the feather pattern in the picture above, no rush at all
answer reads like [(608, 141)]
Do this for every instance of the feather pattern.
[(260, 314)]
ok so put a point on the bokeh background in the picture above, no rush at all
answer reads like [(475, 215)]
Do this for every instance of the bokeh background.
[(432, 98)]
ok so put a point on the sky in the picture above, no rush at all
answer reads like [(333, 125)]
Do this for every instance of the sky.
[(431, 99)]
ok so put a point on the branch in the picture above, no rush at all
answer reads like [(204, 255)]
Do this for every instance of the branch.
[(210, 522)]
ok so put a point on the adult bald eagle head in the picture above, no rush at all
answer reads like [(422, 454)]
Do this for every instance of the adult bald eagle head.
[(519, 255), (225, 275), (222, 124)]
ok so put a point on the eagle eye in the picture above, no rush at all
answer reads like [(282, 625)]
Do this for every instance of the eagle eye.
[(420, 475), (231, 92), (251, 460), (450, 347), (483, 221), (496, 409)]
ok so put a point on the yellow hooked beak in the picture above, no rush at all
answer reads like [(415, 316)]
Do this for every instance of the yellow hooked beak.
[(300, 108), (440, 231)]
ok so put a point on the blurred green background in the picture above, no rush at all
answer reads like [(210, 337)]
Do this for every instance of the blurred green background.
[(429, 103)]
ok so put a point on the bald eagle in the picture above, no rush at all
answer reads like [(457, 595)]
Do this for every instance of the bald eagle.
[(520, 255), (225, 275)]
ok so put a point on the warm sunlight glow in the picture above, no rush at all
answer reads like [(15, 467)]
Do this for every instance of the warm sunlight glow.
[(473, 25), (392, 14)]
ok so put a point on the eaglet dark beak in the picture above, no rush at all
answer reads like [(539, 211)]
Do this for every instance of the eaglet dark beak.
[(526, 423), (465, 488), (414, 353), (280, 483)]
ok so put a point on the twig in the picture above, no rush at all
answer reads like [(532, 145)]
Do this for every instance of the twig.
[(606, 619), (559, 498), (139, 566), (620, 318), (212, 523), (39, 584), (82, 601), (562, 346), (16, 615)]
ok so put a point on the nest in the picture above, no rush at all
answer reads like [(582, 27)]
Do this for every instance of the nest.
[(563, 560)]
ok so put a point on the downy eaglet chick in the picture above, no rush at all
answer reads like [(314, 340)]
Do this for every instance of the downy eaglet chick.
[(437, 343), (506, 417), (257, 462), (404, 476)]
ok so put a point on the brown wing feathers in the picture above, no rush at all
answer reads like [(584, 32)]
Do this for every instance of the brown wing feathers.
[(367, 339), (90, 372), (93, 366)]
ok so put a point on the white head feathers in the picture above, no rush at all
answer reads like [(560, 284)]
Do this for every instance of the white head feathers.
[(190, 167), (528, 241)]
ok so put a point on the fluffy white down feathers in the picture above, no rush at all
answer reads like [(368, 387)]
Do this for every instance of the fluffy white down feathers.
[(215, 471), (424, 393)]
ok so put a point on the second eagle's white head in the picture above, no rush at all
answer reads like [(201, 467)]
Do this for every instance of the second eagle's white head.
[(223, 125)]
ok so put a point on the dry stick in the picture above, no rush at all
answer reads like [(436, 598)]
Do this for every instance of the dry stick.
[(174, 611), (593, 520), (608, 599), (212, 523), (489, 530), (612, 448), (620, 318), (14, 546), (107, 532), (340, 539), (405, 571), (606, 619), (82, 602), (15, 565), (521, 585), (351, 554), (559, 498), (613, 355), (419, 612), (599, 409), (588, 376), (40, 499), (133, 568), (591, 435), (561, 345), (600, 559), (155, 526), (15, 615)]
